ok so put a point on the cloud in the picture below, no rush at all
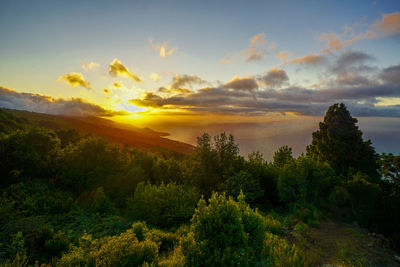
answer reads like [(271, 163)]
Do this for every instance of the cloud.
[(90, 66), (312, 59), (257, 49), (174, 90), (75, 79), (118, 84), (352, 60), (391, 75), (358, 92), (282, 55), (228, 59), (242, 84), (117, 69), (274, 78), (389, 25), (149, 100), (46, 104), (335, 42), (178, 81), (162, 48), (155, 77)]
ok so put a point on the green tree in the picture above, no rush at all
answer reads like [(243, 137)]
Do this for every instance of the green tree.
[(30, 153), (164, 205), (246, 183), (283, 156), (305, 180), (339, 142)]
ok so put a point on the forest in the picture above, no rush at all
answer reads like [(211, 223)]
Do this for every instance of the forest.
[(74, 199)]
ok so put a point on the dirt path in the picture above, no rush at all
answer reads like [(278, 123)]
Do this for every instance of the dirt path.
[(343, 244)]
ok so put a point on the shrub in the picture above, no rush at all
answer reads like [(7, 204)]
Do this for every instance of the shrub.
[(277, 252), (363, 197), (224, 233), (175, 259), (272, 225), (166, 241), (164, 205), (305, 180), (245, 182), (120, 250), (140, 229), (126, 250)]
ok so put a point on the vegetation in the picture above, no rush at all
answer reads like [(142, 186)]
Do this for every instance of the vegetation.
[(71, 199)]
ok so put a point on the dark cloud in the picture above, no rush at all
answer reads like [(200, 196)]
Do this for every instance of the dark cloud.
[(299, 100), (149, 100), (274, 78), (244, 84), (391, 75), (117, 69), (179, 81), (352, 61), (45, 104)]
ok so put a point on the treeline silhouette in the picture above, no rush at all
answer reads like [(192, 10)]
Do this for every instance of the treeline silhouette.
[(69, 199)]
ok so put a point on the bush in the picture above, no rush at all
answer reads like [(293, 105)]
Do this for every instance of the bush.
[(272, 225), (166, 241), (140, 229), (126, 250), (277, 252), (245, 182), (120, 250), (305, 180), (363, 197), (28, 154), (224, 233), (164, 205)]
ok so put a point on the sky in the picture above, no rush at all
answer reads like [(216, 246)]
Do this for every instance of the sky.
[(265, 71)]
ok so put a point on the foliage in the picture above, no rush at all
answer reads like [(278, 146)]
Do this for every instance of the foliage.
[(339, 142), (283, 156), (245, 182), (224, 233), (164, 205), (277, 252), (121, 250), (27, 154), (72, 200), (363, 197), (305, 180)]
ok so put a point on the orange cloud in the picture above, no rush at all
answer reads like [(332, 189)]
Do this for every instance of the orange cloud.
[(227, 60), (335, 42), (282, 55), (75, 79), (117, 69), (308, 60), (389, 25), (90, 66), (257, 49), (162, 48)]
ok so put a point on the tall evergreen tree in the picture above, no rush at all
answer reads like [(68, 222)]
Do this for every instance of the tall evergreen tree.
[(339, 142)]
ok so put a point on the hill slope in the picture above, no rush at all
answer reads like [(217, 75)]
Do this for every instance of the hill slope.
[(124, 134)]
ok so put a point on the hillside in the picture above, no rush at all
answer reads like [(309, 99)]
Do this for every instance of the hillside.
[(143, 138)]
